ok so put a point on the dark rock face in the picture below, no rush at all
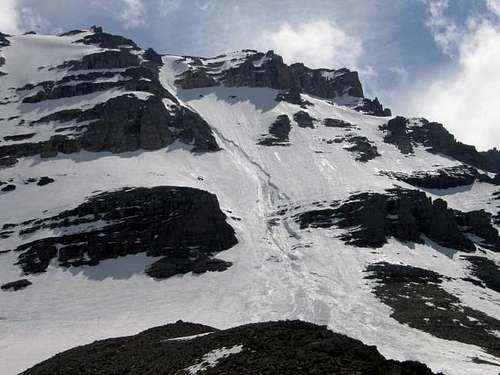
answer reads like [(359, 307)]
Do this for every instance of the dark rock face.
[(485, 270), (304, 119), (337, 123), (193, 79), (373, 107), (184, 225), (418, 300), (124, 123), (16, 285), (278, 132), (437, 139), (179, 264), (293, 96), (19, 137), (269, 70), (405, 215), (72, 32), (4, 42), (362, 147), (443, 178), (106, 40), (397, 134), (9, 187), (45, 181), (287, 347), (109, 59)]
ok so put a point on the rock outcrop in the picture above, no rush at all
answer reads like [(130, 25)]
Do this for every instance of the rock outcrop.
[(418, 300), (436, 139), (286, 347), (137, 119), (407, 215), (278, 132), (16, 285), (361, 147), (183, 225), (337, 123), (4, 42), (256, 69), (304, 119), (485, 270), (443, 178), (373, 108)]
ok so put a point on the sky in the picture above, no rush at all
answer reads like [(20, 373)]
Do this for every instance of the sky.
[(438, 59)]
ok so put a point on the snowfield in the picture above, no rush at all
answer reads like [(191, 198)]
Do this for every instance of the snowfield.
[(279, 271)]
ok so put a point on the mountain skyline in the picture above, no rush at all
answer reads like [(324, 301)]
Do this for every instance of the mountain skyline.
[(421, 58)]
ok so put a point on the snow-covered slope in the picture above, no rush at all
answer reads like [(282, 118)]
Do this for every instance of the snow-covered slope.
[(280, 269)]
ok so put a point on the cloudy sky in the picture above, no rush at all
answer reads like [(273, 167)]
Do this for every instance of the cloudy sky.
[(438, 59)]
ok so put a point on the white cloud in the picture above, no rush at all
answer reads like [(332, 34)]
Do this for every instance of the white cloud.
[(8, 16), (467, 100), (316, 44), (167, 7), (133, 13), (33, 21), (494, 6), (446, 33)]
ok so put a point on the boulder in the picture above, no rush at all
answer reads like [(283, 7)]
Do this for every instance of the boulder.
[(16, 285)]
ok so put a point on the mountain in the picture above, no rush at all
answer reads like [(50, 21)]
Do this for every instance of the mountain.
[(139, 189)]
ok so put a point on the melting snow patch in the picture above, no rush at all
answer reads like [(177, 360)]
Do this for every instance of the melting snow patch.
[(186, 338), (212, 358)]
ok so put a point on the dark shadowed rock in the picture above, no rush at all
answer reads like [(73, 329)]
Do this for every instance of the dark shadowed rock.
[(72, 32), (109, 59), (485, 270), (371, 218), (373, 107), (4, 42), (181, 264), (196, 79), (124, 123), (362, 147), (16, 285), (293, 96), (397, 134), (287, 347), (337, 123), (443, 178), (153, 56), (106, 40), (184, 225), (19, 137), (268, 70), (418, 300), (436, 139), (304, 119), (9, 187), (45, 181), (278, 132)]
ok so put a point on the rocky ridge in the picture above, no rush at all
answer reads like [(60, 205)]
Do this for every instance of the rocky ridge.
[(287, 347)]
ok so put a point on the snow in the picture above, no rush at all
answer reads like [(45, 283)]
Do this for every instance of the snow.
[(212, 358), (187, 338), (278, 272)]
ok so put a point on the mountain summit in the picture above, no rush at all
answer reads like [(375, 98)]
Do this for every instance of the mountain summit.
[(140, 189)]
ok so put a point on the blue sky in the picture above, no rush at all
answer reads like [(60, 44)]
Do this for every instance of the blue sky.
[(434, 58)]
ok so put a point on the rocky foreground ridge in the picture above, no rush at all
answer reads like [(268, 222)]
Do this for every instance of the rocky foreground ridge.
[(289, 347)]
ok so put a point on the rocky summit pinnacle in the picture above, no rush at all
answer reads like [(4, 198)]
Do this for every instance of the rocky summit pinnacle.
[(316, 231)]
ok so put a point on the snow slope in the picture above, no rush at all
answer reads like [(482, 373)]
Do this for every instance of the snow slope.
[(278, 272)]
